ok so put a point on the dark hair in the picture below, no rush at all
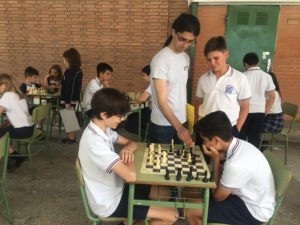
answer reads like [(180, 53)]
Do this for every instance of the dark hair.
[(146, 70), (275, 81), (102, 67), (110, 101), (214, 124), (250, 59), (30, 72), (215, 44), (184, 23), (73, 58), (58, 69)]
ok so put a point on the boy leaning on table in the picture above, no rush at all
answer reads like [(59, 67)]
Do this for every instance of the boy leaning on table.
[(106, 172), (245, 192)]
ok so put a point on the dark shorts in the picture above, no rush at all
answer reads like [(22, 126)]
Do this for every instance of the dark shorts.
[(139, 212), (231, 211), (23, 132)]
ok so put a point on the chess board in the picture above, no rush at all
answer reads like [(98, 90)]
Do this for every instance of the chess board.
[(174, 161)]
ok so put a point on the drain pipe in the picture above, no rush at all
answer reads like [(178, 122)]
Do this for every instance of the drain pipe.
[(192, 58)]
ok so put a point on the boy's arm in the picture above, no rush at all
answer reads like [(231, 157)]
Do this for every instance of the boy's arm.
[(198, 102), (244, 110), (220, 193), (144, 97), (126, 153), (125, 171)]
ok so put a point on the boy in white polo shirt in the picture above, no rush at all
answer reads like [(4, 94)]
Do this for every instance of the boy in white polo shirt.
[(104, 74), (105, 172), (263, 96), (245, 192)]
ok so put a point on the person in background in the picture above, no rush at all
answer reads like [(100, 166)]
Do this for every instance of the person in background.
[(102, 80), (71, 85), (52, 81), (105, 171), (131, 124), (273, 121), (245, 192), (31, 80), (263, 96), (13, 104), (169, 75)]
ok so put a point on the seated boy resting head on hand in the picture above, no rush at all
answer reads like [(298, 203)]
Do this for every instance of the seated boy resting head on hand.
[(106, 172), (245, 192)]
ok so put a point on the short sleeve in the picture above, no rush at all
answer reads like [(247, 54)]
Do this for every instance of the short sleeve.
[(234, 176), (6, 100), (271, 86), (199, 90), (113, 136), (159, 67), (244, 90), (23, 88), (148, 90)]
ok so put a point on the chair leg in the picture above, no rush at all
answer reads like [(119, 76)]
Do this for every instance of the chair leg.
[(6, 205), (286, 149), (30, 161), (272, 139)]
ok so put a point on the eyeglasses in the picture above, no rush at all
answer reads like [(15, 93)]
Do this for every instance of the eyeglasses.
[(186, 41)]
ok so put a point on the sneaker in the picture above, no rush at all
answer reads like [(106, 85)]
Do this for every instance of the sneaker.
[(69, 141)]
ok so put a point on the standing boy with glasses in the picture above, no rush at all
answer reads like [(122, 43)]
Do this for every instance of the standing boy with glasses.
[(169, 75)]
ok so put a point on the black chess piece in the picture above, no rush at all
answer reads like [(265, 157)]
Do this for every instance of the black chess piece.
[(171, 148), (178, 176), (183, 146), (191, 150), (197, 176), (178, 153), (211, 179), (167, 176), (185, 155), (190, 174), (205, 179), (194, 160)]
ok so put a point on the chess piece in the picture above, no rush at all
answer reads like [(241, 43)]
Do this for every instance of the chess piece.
[(178, 176), (189, 157), (197, 176), (205, 179), (190, 174), (159, 149), (183, 146), (211, 179), (164, 158), (172, 143), (191, 150), (178, 152), (157, 162), (151, 159), (167, 175), (171, 148)]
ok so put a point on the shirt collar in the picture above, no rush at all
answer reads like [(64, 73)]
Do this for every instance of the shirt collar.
[(97, 130), (254, 68), (229, 72), (233, 147)]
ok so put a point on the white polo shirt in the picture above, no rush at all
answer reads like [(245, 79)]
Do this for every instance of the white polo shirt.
[(172, 67), (276, 107), (260, 83), (93, 86), (248, 174), (223, 94), (97, 156), (16, 110)]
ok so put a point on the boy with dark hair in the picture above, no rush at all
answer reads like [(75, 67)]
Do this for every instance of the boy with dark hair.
[(31, 76), (263, 97), (104, 74), (105, 172), (245, 192)]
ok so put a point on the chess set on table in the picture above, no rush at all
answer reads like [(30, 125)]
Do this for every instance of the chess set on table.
[(175, 163)]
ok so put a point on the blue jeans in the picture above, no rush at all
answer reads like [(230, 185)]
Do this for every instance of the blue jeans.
[(163, 134)]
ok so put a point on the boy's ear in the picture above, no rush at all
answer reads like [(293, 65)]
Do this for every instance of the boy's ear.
[(103, 115)]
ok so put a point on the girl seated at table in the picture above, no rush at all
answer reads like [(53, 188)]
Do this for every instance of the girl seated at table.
[(14, 105), (105, 171), (52, 81)]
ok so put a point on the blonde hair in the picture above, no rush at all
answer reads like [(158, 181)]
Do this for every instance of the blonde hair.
[(10, 84)]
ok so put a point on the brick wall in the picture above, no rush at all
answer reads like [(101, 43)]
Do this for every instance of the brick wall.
[(287, 54), (123, 33)]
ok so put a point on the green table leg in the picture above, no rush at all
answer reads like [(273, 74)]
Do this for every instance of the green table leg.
[(130, 204), (205, 206), (140, 123)]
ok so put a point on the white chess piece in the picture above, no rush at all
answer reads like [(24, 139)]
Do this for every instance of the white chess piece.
[(158, 162), (159, 149), (151, 159), (164, 159), (172, 143), (189, 158)]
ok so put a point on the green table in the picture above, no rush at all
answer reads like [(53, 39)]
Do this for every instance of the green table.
[(157, 179), (137, 107)]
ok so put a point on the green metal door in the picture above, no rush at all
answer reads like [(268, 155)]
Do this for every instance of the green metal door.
[(251, 29)]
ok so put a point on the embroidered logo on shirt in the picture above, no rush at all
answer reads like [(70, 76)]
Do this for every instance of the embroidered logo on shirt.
[(229, 89)]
